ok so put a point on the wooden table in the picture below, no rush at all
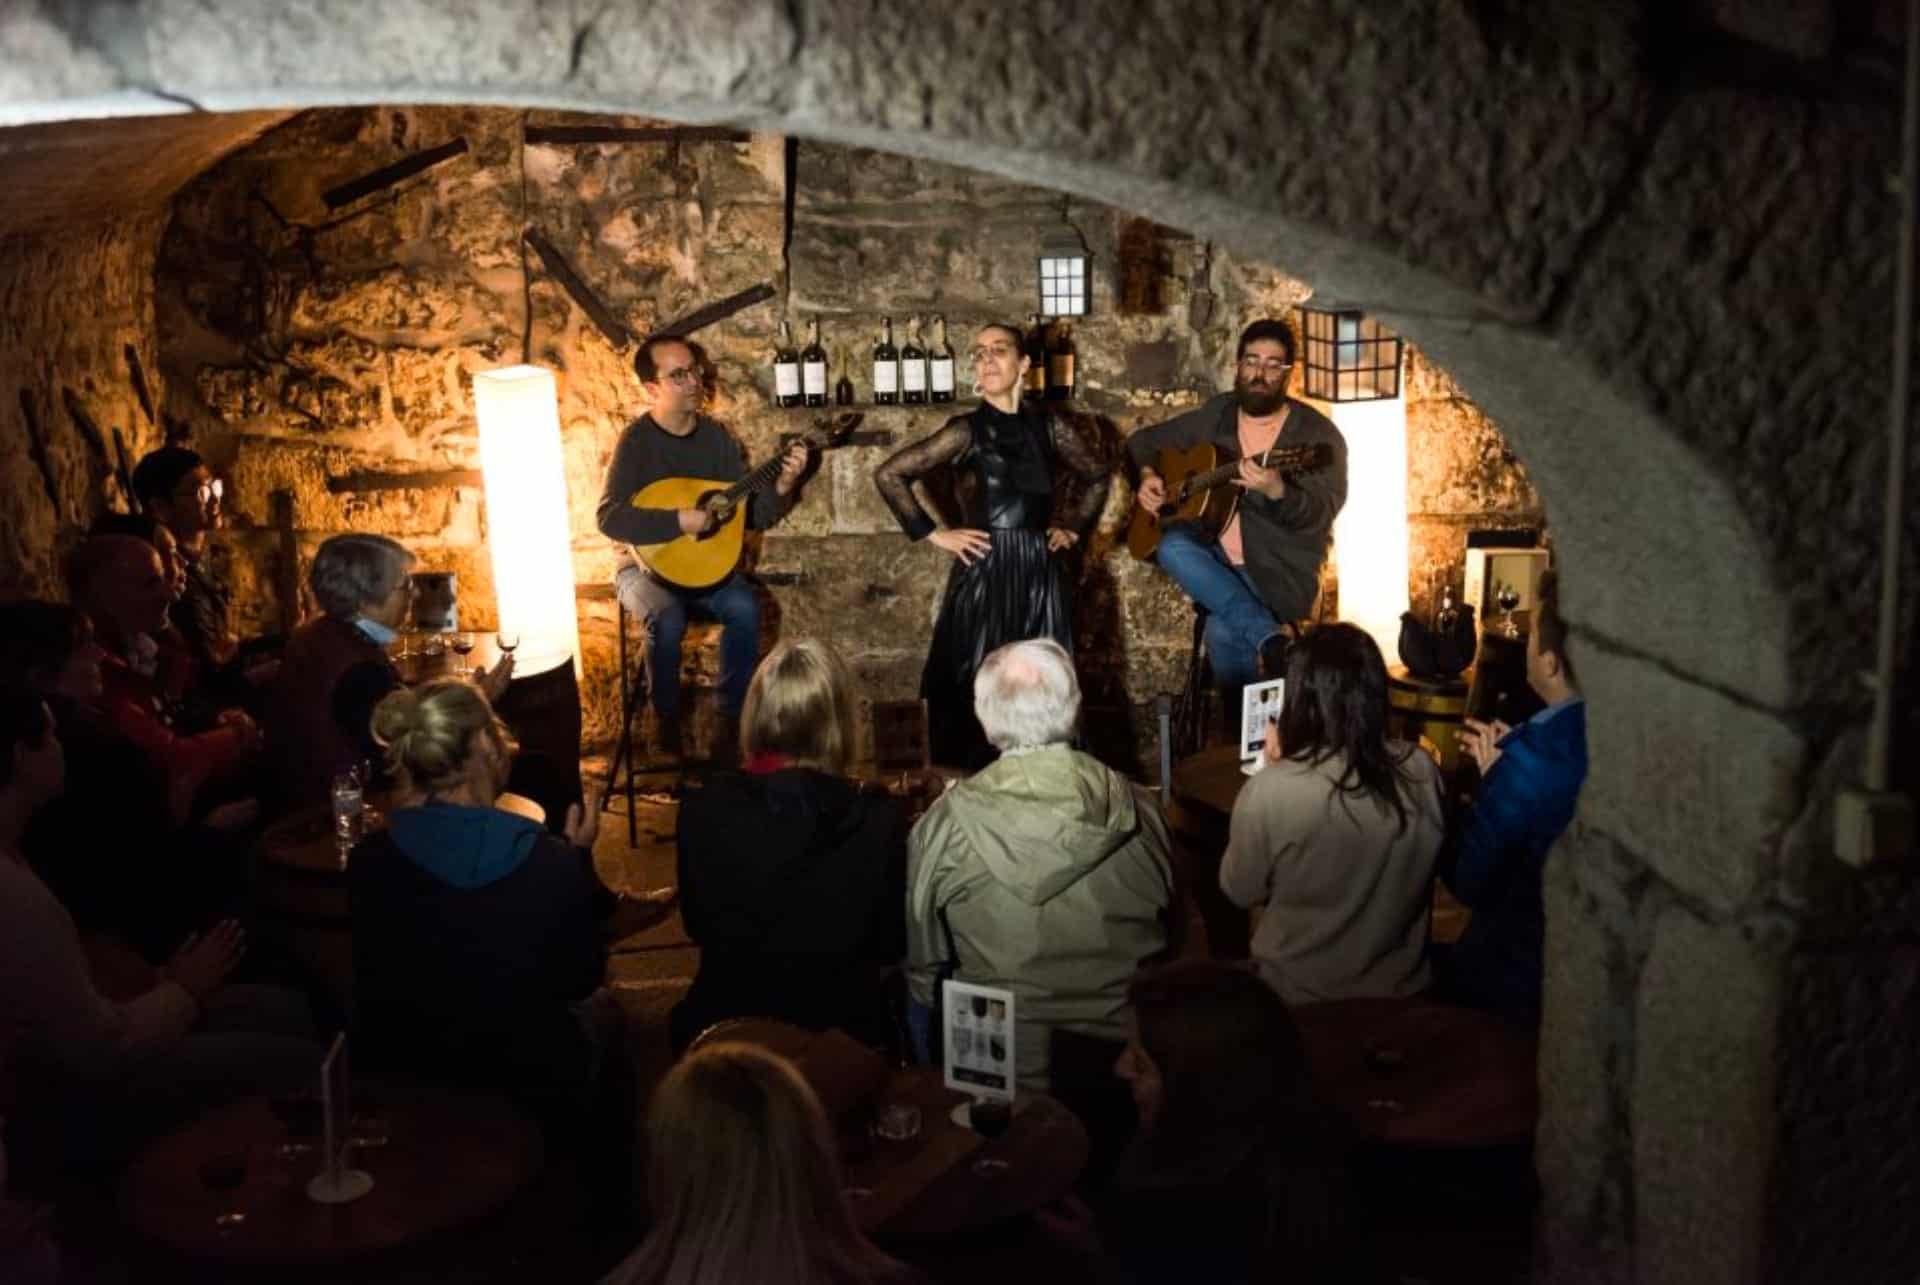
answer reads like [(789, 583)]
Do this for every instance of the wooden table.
[(1419, 1073), (929, 1188), (452, 1158)]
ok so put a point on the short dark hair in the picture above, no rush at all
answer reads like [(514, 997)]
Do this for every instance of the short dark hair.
[(38, 638), (158, 472), (1013, 331), (140, 526), (23, 721), (1266, 328), (647, 366), (1551, 625)]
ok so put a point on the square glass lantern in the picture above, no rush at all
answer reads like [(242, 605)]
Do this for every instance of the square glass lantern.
[(1348, 356), (1065, 275)]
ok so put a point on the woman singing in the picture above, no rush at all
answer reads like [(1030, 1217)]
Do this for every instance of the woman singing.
[(1005, 585)]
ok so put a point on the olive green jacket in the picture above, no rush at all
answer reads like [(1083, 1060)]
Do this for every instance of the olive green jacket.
[(1055, 876)]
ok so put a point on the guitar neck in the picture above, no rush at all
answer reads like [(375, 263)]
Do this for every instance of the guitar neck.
[(757, 480), (1290, 460)]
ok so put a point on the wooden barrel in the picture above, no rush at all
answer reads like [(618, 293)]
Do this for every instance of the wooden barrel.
[(1427, 709)]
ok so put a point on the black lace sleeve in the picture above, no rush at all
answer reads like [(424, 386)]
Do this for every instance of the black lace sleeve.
[(1090, 474), (896, 477)]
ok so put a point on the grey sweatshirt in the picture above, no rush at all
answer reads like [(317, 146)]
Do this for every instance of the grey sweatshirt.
[(647, 453)]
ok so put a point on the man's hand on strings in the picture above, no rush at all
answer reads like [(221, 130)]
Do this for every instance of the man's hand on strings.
[(1266, 481)]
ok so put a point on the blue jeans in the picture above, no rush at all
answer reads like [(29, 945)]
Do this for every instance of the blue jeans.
[(1237, 619), (662, 611)]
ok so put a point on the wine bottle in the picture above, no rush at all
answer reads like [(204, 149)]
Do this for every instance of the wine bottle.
[(913, 366), (940, 361), (843, 389), (813, 366), (886, 367), (1035, 349), (786, 370), (1060, 354)]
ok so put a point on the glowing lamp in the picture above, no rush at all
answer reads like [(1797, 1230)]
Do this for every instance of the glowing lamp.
[(527, 530), (1348, 356), (1066, 278), (1370, 533)]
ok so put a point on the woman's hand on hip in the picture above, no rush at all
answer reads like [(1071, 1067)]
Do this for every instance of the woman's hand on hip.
[(965, 543)]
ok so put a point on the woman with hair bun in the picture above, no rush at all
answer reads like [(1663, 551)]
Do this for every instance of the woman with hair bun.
[(478, 944)]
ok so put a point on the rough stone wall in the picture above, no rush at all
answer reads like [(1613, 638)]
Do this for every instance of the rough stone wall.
[(1652, 241), (306, 346), (76, 313)]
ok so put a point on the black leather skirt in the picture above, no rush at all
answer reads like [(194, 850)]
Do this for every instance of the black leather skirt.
[(1017, 591)]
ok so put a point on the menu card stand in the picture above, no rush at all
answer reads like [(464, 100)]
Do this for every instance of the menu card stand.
[(1259, 705), (338, 1182)]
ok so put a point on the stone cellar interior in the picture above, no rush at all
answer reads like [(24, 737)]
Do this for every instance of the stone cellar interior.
[(1640, 259)]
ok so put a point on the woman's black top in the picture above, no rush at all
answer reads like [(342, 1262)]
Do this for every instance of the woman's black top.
[(1003, 469), (793, 885)]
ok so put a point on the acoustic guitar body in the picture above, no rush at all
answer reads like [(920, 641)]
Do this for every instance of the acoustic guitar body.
[(692, 561), (1210, 508)]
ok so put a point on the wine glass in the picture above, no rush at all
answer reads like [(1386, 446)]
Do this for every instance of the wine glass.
[(1508, 597), (507, 640), (462, 647), (223, 1174)]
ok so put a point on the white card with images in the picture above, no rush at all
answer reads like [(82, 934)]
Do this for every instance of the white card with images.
[(1259, 706), (978, 1040)]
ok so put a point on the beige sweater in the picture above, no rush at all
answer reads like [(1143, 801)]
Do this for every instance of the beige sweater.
[(51, 1017), (1345, 891)]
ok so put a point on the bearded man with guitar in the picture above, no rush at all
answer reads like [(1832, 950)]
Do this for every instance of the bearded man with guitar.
[(1252, 558), (673, 440)]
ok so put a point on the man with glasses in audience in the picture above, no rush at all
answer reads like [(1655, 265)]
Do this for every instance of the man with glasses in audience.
[(174, 486), (1263, 568), (673, 439)]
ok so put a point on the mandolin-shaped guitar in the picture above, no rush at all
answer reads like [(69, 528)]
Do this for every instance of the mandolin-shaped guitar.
[(698, 561), (1198, 489)]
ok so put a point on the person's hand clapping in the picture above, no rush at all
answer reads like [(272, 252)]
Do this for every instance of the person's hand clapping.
[(965, 543), (583, 822), (204, 960), (1481, 741)]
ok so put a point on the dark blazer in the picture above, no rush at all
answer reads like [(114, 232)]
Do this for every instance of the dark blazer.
[(1496, 854), (310, 734), (474, 932), (1286, 539), (793, 885)]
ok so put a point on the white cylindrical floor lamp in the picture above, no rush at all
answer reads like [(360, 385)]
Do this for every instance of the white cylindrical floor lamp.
[(1370, 533), (527, 529)]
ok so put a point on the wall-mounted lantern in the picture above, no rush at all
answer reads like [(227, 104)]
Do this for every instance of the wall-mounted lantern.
[(1348, 356), (1066, 277)]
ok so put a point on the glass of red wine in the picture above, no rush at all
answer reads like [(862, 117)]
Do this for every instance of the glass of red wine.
[(462, 647), (508, 641)]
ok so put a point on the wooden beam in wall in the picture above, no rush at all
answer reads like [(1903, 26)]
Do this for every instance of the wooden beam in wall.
[(585, 134), (571, 281), (287, 574), (424, 480), (387, 175), (717, 311)]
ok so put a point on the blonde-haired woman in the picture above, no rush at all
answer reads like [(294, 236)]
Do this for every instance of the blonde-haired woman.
[(792, 876), (477, 935), (745, 1182)]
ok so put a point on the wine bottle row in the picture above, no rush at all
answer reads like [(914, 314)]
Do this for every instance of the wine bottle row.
[(914, 374)]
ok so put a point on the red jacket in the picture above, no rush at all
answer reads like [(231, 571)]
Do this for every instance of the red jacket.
[(133, 703)]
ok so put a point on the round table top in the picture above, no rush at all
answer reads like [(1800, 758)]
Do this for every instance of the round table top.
[(933, 1186), (452, 1157), (1415, 1072), (1210, 779)]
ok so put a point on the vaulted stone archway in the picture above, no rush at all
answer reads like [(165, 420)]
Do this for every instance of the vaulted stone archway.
[(1657, 255)]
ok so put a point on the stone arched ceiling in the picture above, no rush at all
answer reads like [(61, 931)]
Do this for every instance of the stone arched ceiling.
[(1656, 279)]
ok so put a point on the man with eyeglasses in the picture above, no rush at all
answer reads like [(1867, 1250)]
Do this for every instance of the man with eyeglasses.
[(1263, 568), (673, 439), (175, 487)]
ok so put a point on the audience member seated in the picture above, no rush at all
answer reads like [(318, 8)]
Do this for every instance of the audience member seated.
[(1497, 850), (108, 846), (792, 876), (186, 691), (1236, 1174), (1334, 839), (190, 1040), (478, 946), (174, 485), (1046, 873), (335, 668), (744, 1181), (120, 583)]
